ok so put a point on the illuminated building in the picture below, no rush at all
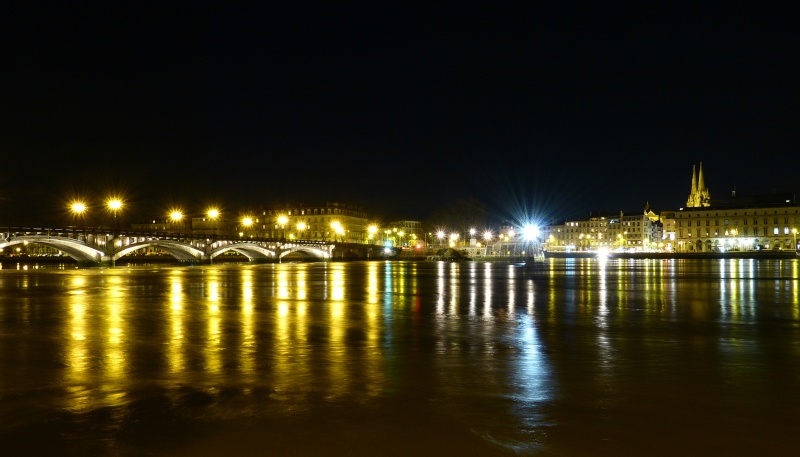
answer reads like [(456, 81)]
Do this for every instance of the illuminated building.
[(741, 223), (637, 232), (332, 222)]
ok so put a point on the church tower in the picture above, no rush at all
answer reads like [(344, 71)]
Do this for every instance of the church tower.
[(699, 196)]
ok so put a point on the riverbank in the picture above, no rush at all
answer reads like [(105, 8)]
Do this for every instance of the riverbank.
[(678, 255)]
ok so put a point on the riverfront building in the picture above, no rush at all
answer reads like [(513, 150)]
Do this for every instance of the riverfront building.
[(636, 232), (741, 223), (332, 222)]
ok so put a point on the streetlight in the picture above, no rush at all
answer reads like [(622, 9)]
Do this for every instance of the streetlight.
[(487, 237), (301, 227), (114, 205), (336, 226), (440, 235), (282, 220), (371, 231), (213, 215), (77, 208), (246, 222), (176, 216), (453, 239)]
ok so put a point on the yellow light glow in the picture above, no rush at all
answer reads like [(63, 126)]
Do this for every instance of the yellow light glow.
[(114, 204), (282, 220), (77, 207), (176, 215), (301, 226), (247, 221), (213, 213)]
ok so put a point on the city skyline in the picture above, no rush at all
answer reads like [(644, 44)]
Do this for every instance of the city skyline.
[(555, 110)]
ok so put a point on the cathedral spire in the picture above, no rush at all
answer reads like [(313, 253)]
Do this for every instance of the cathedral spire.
[(691, 201), (701, 184), (699, 196)]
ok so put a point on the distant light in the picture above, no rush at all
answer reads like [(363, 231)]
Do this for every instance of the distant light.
[(530, 232)]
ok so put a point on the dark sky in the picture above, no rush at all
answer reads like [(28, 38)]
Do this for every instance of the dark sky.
[(551, 110)]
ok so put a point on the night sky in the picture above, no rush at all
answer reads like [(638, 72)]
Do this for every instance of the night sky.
[(547, 110)]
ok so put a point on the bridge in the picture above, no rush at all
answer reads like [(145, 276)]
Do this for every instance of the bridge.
[(106, 246)]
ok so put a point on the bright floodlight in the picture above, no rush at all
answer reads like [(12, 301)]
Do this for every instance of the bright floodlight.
[(77, 207), (372, 229), (114, 204), (301, 226), (176, 216), (213, 213), (440, 234), (487, 235), (530, 232), (247, 221), (282, 220)]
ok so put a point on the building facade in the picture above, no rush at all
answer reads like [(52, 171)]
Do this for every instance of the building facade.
[(758, 222), (637, 232), (333, 222)]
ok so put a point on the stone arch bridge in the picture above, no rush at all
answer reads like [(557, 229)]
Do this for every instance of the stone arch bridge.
[(105, 247)]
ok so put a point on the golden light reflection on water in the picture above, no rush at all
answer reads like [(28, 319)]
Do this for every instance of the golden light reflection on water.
[(337, 324), (248, 341), (77, 353), (213, 340), (175, 358), (288, 326), (115, 303)]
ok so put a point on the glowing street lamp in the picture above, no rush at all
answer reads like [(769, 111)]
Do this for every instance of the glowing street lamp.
[(371, 231), (247, 222), (77, 208), (301, 227), (114, 205), (440, 235), (282, 220)]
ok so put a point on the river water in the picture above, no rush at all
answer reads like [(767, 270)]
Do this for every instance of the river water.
[(566, 357)]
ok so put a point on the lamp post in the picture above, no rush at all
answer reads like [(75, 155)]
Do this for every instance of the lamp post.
[(115, 205), (282, 220), (78, 208), (336, 226), (440, 235), (176, 216), (246, 222), (213, 215), (301, 227), (487, 237)]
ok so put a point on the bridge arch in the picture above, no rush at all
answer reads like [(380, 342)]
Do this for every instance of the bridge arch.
[(317, 252), (180, 251), (250, 250), (78, 250)]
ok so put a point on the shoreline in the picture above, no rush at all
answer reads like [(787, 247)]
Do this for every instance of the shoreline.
[(677, 255)]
